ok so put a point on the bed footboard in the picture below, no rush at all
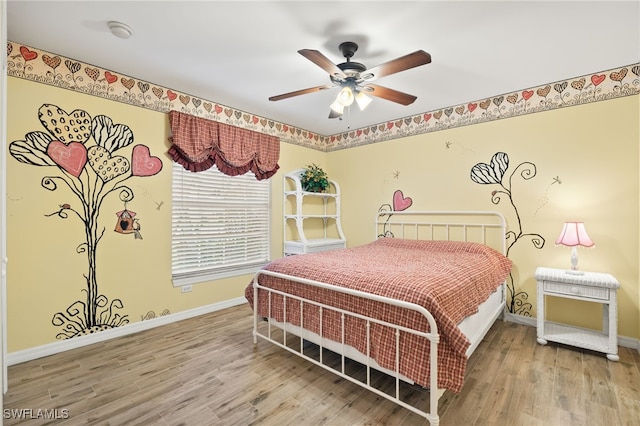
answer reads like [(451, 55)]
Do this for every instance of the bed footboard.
[(344, 351)]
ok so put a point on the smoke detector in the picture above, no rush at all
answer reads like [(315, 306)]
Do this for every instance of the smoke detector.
[(119, 29)]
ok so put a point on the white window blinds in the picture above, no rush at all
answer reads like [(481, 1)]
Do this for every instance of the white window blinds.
[(220, 225)]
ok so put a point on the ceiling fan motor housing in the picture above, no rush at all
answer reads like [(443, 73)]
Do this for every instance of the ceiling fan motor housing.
[(348, 49)]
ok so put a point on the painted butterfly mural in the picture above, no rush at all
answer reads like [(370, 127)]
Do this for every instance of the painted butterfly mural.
[(87, 153)]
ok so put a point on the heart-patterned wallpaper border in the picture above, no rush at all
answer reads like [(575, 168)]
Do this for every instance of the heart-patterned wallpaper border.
[(44, 67)]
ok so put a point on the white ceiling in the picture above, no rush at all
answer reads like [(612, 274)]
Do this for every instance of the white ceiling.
[(239, 53)]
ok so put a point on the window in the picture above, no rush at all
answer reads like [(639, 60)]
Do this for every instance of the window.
[(220, 225)]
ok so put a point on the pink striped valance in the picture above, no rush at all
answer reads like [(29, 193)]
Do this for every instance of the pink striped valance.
[(198, 144)]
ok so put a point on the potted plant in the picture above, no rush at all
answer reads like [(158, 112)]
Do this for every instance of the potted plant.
[(314, 179)]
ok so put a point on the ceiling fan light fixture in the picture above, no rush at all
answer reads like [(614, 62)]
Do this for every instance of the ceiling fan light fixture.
[(362, 100), (345, 97), (337, 107)]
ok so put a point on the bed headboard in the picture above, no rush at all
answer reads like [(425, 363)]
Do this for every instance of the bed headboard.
[(486, 227)]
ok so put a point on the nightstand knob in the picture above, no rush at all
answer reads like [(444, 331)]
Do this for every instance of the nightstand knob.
[(574, 290)]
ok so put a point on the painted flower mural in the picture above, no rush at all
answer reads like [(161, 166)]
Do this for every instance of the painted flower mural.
[(83, 150), (494, 173)]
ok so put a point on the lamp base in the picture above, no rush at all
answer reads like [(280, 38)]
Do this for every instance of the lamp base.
[(574, 258)]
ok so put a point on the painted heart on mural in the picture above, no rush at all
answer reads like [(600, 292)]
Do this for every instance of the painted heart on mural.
[(33, 150), (484, 173), (106, 166), (111, 136), (72, 127), (71, 157), (400, 202), (143, 163)]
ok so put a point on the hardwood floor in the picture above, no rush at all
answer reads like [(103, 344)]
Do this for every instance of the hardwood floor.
[(206, 371)]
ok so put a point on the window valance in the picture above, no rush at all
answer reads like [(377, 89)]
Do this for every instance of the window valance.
[(197, 144)]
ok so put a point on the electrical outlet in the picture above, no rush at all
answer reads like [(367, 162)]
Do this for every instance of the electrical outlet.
[(186, 288)]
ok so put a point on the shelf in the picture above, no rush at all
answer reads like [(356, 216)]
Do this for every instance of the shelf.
[(576, 336), (313, 245), (312, 194), (311, 216), (328, 210)]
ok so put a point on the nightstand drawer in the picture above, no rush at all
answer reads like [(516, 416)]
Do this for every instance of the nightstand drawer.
[(577, 290)]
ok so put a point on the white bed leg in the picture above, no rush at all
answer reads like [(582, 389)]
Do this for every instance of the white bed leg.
[(255, 310)]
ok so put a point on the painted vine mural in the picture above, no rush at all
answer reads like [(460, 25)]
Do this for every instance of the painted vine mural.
[(82, 150), (494, 173)]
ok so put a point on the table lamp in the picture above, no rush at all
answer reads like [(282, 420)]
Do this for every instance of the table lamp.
[(573, 235)]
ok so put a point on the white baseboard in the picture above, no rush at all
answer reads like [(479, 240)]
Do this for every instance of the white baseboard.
[(77, 342), (627, 342)]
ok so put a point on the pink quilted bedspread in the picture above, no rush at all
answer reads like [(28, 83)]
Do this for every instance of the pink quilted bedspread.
[(448, 278)]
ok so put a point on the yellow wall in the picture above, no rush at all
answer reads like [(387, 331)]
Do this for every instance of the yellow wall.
[(45, 275), (592, 149)]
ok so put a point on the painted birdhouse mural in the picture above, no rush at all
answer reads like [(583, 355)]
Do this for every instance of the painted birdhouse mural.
[(124, 224), (127, 224)]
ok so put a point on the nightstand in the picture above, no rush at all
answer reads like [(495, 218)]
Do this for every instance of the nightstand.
[(579, 285)]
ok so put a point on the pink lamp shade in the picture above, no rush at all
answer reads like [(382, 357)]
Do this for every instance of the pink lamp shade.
[(574, 234)]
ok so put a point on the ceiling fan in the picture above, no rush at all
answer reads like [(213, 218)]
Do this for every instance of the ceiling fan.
[(354, 78)]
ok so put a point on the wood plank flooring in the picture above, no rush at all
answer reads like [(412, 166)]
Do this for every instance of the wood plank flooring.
[(206, 371)]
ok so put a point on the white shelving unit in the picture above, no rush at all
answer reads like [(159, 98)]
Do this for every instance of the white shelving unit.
[(302, 208)]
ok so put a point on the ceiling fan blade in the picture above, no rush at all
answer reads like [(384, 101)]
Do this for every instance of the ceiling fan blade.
[(322, 61), (412, 60), (300, 92), (389, 94)]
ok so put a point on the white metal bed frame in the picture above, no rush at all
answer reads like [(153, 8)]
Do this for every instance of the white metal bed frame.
[(392, 224)]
